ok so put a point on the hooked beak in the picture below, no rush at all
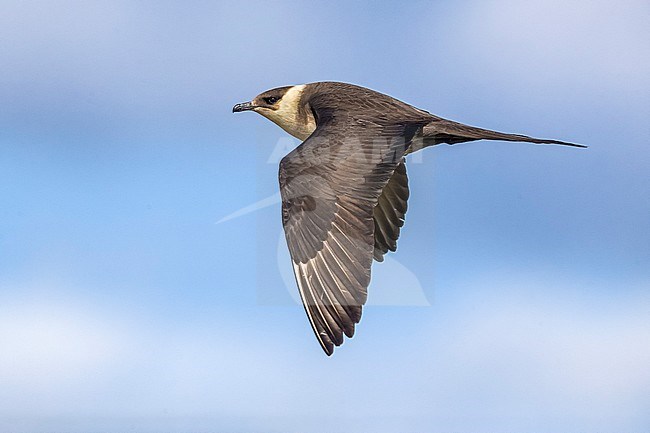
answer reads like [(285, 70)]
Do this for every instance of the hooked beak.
[(244, 106)]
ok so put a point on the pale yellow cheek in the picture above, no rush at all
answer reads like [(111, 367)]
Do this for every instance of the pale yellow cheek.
[(286, 114), (282, 119)]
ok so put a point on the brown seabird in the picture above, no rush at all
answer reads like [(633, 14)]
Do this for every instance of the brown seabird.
[(344, 189)]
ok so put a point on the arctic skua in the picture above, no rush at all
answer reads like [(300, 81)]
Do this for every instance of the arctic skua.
[(345, 189)]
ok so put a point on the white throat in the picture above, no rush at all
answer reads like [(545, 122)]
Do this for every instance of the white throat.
[(288, 117)]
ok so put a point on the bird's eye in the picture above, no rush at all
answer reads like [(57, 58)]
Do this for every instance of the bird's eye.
[(271, 100)]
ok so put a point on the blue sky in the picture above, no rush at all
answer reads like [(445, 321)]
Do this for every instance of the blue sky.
[(518, 300)]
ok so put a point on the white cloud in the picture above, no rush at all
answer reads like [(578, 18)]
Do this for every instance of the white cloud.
[(509, 355), (598, 41), (126, 60), (47, 345), (568, 353)]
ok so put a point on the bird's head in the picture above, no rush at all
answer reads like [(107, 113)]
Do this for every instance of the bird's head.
[(285, 107)]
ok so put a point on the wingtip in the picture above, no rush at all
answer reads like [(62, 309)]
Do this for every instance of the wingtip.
[(329, 349)]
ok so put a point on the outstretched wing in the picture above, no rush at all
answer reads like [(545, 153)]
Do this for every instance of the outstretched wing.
[(390, 211), (330, 185)]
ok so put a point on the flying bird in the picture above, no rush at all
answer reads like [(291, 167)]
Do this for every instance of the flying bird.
[(345, 189)]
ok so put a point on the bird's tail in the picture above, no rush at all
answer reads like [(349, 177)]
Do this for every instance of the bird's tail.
[(449, 132)]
